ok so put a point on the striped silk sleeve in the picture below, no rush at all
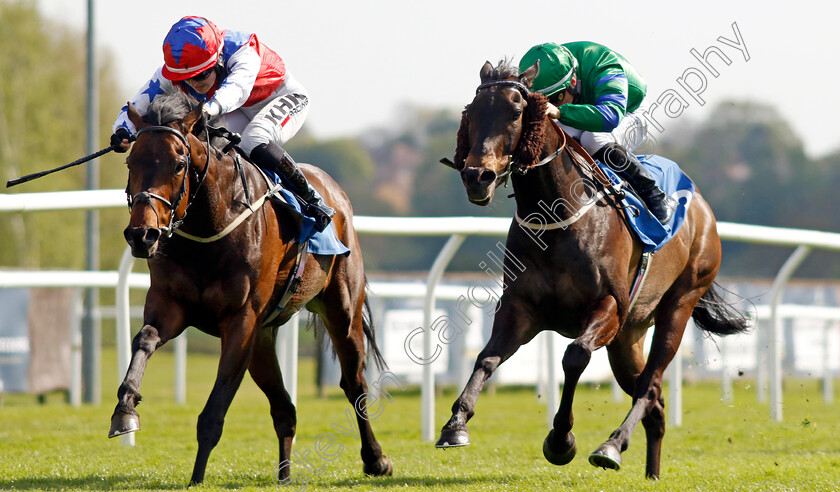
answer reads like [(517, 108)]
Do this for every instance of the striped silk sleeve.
[(606, 109)]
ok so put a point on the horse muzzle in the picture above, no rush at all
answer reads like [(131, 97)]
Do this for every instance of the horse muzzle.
[(143, 241), (480, 184)]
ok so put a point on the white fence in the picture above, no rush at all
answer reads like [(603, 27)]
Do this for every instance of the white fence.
[(458, 229)]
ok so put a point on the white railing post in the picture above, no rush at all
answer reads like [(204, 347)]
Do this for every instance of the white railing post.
[(286, 346), (776, 338), (762, 342), (427, 391), (181, 368), (75, 391), (675, 399), (828, 382), (553, 392), (124, 326)]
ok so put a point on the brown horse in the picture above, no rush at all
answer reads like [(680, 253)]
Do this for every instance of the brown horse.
[(228, 287), (576, 279)]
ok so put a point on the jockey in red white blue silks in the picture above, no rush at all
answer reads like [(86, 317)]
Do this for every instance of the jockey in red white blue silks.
[(599, 96), (246, 83)]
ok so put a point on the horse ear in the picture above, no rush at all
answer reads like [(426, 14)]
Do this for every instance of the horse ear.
[(135, 117), (530, 74), (486, 72), (191, 119)]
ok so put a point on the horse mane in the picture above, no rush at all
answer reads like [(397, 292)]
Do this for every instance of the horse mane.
[(169, 107), (531, 141), (175, 105)]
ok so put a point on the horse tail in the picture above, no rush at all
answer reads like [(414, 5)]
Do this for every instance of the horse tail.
[(714, 315), (370, 333)]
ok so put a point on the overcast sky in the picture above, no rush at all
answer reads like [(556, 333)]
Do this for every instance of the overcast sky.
[(361, 61)]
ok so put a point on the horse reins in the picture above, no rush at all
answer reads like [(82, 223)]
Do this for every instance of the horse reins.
[(173, 205)]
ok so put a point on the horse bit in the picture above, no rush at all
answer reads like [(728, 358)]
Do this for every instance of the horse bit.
[(173, 206)]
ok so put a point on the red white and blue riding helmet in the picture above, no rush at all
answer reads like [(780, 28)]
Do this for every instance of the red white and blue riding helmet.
[(192, 46)]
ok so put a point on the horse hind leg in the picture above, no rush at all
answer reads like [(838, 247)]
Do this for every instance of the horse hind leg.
[(350, 349), (626, 355), (265, 370), (512, 328), (559, 447), (237, 350), (648, 403)]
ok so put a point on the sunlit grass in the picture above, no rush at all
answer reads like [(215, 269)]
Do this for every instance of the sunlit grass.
[(720, 446)]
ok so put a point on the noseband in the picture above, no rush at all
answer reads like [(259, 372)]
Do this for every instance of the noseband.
[(146, 196)]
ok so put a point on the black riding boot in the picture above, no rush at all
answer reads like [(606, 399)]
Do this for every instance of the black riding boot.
[(272, 156), (661, 205)]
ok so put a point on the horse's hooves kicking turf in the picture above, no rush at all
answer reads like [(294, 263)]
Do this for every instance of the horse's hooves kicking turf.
[(606, 456), (562, 457), (124, 423), (453, 438), (382, 468)]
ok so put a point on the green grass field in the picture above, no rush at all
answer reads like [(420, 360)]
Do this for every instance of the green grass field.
[(719, 446)]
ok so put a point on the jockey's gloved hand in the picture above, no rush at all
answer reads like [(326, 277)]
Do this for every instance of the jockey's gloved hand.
[(210, 109), (120, 140)]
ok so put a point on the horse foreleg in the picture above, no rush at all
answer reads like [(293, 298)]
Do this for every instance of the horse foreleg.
[(125, 418), (265, 370), (510, 331), (237, 348), (648, 403), (559, 446)]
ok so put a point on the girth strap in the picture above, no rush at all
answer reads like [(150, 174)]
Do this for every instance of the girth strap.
[(292, 283)]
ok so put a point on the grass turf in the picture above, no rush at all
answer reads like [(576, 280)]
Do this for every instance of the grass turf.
[(720, 446)]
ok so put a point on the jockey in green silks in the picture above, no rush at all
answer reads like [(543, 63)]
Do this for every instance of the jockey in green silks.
[(600, 97)]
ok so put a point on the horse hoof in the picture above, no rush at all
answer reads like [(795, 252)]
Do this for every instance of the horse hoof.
[(563, 457), (606, 456), (382, 468), (453, 438), (124, 423)]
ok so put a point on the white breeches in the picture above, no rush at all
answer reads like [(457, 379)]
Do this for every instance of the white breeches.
[(276, 119), (630, 133)]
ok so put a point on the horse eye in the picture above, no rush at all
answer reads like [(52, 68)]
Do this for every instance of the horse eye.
[(180, 166), (517, 114)]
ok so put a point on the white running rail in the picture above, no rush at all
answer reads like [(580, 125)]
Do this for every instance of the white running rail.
[(457, 228)]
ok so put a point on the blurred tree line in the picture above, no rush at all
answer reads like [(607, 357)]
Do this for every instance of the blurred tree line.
[(42, 125), (744, 157)]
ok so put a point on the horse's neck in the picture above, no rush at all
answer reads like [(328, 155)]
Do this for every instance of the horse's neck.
[(220, 197), (556, 190)]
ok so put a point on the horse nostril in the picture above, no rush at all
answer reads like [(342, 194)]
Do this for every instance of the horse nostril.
[(468, 174), (487, 177), (151, 236), (129, 233)]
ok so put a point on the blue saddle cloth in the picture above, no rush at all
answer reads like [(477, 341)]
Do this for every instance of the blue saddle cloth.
[(674, 182), (320, 243)]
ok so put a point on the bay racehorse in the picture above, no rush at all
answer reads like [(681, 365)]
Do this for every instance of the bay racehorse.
[(576, 280), (226, 279)]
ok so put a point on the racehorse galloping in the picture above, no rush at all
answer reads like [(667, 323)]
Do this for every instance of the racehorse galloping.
[(228, 287), (577, 279)]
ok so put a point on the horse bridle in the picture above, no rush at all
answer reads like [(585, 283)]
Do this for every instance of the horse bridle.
[(173, 205), (513, 166)]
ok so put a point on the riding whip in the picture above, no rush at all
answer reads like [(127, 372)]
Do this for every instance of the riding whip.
[(30, 177)]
